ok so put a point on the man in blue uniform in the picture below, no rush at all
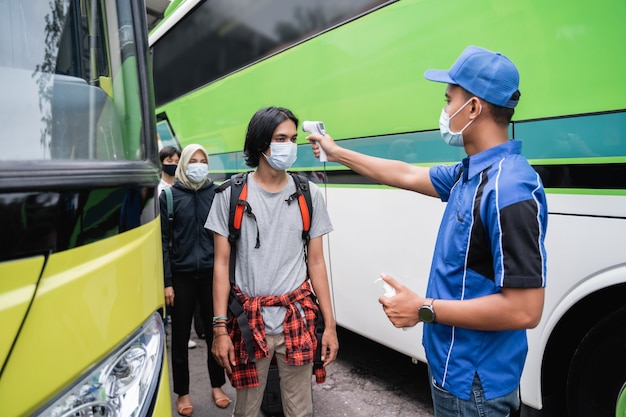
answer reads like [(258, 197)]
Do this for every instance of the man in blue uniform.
[(488, 274)]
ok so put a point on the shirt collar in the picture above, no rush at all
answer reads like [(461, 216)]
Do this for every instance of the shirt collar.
[(475, 164)]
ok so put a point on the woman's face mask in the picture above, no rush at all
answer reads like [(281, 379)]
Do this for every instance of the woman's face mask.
[(282, 156), (449, 137), (197, 172)]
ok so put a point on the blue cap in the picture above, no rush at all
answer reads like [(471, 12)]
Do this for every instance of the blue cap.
[(488, 75)]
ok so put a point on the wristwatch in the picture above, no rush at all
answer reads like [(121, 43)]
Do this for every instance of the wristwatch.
[(426, 312)]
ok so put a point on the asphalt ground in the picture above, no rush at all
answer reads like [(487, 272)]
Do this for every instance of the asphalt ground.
[(367, 379)]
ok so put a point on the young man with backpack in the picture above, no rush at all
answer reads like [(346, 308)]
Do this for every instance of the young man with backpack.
[(276, 268)]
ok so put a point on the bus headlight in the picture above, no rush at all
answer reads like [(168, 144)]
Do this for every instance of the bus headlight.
[(123, 384)]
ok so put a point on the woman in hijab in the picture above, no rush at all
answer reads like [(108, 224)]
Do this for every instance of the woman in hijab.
[(188, 270)]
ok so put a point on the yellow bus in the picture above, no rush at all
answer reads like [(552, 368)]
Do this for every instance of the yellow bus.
[(81, 281)]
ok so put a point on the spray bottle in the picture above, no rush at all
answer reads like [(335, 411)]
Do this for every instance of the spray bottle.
[(390, 292)]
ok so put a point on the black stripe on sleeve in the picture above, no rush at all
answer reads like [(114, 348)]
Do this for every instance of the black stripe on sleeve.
[(520, 245)]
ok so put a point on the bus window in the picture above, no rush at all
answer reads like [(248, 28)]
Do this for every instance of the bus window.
[(60, 101), (166, 135)]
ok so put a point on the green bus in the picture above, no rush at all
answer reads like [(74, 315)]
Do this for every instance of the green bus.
[(81, 275), (358, 66)]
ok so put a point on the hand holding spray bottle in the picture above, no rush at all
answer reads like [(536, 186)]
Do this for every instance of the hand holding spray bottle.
[(389, 291)]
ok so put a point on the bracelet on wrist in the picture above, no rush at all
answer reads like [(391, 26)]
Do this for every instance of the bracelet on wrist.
[(219, 318)]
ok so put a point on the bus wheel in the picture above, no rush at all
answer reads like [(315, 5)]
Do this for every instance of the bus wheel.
[(598, 369)]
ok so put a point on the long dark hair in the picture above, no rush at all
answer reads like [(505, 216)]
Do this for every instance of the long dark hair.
[(260, 131)]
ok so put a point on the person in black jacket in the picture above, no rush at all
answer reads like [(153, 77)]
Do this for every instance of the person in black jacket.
[(188, 270)]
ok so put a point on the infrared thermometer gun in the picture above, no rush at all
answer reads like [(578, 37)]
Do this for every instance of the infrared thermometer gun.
[(316, 127)]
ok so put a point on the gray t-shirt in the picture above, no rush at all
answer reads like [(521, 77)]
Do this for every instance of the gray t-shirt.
[(277, 267)]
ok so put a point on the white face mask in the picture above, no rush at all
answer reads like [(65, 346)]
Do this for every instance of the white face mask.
[(449, 137), (282, 155), (197, 172)]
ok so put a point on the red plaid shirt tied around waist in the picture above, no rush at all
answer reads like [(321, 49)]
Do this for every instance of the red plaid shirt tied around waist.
[(300, 340)]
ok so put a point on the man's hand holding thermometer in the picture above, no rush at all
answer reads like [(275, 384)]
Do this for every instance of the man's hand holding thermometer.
[(316, 127)]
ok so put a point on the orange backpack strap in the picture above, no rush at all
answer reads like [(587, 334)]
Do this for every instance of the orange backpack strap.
[(303, 195), (238, 206)]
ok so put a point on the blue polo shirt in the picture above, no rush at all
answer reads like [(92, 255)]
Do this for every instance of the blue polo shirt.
[(491, 236)]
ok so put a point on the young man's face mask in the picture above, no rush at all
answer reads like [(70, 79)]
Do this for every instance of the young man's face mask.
[(170, 169), (282, 156)]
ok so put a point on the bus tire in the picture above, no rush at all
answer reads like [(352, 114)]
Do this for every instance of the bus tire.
[(598, 368)]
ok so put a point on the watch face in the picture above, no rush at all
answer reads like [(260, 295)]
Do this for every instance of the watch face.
[(427, 314)]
